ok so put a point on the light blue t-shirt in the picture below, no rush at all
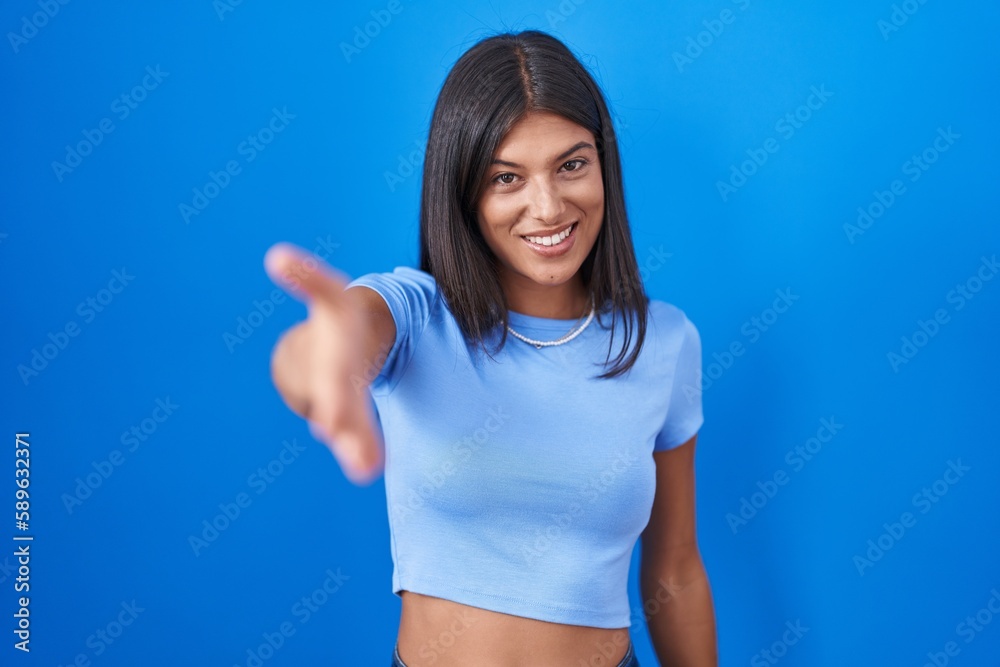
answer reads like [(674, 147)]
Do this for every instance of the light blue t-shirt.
[(521, 484)]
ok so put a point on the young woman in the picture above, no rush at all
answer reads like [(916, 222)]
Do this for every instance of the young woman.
[(520, 469)]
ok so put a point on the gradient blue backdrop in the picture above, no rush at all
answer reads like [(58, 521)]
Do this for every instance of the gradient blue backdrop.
[(339, 173)]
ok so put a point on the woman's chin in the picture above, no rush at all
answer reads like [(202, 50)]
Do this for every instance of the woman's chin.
[(550, 278)]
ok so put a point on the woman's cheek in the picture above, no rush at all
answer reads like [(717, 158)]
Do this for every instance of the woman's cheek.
[(587, 192)]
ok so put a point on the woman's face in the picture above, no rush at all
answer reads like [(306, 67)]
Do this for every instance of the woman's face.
[(544, 200)]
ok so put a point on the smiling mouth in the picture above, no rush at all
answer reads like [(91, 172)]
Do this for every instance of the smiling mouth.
[(554, 239)]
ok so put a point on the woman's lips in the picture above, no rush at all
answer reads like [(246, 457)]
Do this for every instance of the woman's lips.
[(554, 249)]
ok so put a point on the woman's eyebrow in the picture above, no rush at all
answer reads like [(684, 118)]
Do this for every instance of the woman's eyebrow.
[(564, 154)]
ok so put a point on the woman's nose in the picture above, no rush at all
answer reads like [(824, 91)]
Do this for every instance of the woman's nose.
[(546, 203)]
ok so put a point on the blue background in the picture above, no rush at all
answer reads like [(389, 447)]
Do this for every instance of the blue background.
[(722, 257)]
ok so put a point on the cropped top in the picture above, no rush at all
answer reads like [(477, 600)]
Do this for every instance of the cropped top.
[(520, 484)]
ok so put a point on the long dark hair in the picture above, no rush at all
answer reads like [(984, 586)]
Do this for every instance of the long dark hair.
[(491, 87)]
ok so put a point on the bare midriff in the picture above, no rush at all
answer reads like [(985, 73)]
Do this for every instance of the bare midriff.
[(434, 632)]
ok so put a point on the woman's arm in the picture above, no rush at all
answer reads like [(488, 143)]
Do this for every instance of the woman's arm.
[(291, 354), (322, 367), (675, 590)]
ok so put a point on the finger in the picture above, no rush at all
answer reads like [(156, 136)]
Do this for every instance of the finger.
[(359, 470), (370, 450), (339, 446), (303, 275), (349, 448), (318, 432), (352, 439)]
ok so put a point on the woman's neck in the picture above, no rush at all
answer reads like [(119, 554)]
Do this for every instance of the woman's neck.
[(567, 301)]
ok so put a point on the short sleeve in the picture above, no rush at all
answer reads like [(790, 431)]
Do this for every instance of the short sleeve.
[(684, 413), (409, 293)]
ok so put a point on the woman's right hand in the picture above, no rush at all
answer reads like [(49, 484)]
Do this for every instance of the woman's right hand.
[(319, 365)]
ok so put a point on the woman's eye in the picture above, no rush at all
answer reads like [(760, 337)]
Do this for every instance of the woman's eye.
[(503, 179), (579, 164)]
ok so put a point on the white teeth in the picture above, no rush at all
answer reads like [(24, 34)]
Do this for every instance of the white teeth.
[(555, 239)]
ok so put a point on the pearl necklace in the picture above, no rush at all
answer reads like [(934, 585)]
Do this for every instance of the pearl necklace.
[(539, 344)]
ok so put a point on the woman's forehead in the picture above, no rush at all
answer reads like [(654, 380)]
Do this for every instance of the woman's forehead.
[(543, 132)]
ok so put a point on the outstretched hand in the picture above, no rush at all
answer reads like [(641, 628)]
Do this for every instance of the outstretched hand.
[(330, 359)]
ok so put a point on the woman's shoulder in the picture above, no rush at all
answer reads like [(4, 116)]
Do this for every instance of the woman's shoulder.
[(667, 316), (406, 278), (672, 334), (408, 291), (412, 274)]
